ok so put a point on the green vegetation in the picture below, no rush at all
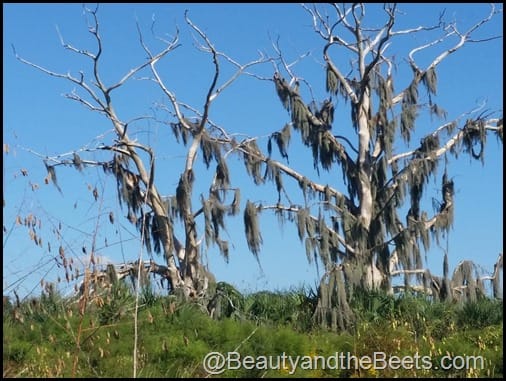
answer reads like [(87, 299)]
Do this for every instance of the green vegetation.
[(49, 337)]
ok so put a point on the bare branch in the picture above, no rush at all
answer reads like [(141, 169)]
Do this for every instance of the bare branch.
[(455, 139), (489, 125), (382, 42), (76, 97), (171, 46), (450, 30), (319, 20), (342, 17), (67, 76), (290, 171), (240, 70), (435, 42), (216, 66), (287, 66), (72, 48), (420, 28), (94, 31)]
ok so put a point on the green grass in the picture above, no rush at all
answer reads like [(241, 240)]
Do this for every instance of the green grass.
[(41, 338)]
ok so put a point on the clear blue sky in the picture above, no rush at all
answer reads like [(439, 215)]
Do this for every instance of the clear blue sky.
[(39, 117)]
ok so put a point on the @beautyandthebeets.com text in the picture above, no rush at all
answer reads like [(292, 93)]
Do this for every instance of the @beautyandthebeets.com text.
[(217, 362)]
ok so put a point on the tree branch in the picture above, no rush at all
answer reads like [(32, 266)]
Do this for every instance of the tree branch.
[(450, 30), (294, 209), (490, 125)]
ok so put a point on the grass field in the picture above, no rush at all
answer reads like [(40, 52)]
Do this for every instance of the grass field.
[(265, 334)]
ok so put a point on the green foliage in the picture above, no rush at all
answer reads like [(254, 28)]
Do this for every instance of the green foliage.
[(115, 304), (148, 297), (227, 302), (373, 306), (481, 313), (174, 336), (294, 307)]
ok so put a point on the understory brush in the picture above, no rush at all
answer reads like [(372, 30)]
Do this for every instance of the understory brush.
[(174, 337)]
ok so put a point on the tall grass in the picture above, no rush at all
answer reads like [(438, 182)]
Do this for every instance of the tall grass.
[(40, 336)]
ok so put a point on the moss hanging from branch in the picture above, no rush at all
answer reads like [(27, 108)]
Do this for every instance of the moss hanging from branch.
[(210, 149), (326, 114), (78, 163), (282, 140), (282, 217), (252, 162), (222, 174), (326, 150), (499, 129), (385, 90), (180, 131), (332, 82), (465, 277), (127, 184), (252, 229), (475, 134), (183, 192), (376, 233), (309, 245), (224, 250), (334, 85), (217, 214), (158, 225), (438, 111), (496, 281), (302, 216), (143, 224), (272, 173), (333, 310), (333, 246), (384, 129), (51, 176), (324, 245), (305, 186), (208, 227), (172, 206), (236, 203), (300, 118), (401, 241), (282, 89), (424, 234), (409, 110), (429, 79), (310, 226), (429, 144), (388, 137), (358, 235), (326, 197)]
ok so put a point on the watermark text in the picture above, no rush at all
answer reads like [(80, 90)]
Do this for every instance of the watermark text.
[(217, 362)]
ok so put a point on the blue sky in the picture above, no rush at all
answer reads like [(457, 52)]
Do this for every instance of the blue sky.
[(39, 117)]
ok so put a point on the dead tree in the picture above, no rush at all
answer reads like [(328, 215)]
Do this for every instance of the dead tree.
[(133, 163), (358, 232)]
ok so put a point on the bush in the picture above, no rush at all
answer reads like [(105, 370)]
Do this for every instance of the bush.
[(481, 313)]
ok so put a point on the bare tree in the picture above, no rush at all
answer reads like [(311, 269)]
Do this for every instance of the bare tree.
[(359, 234), (133, 163)]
